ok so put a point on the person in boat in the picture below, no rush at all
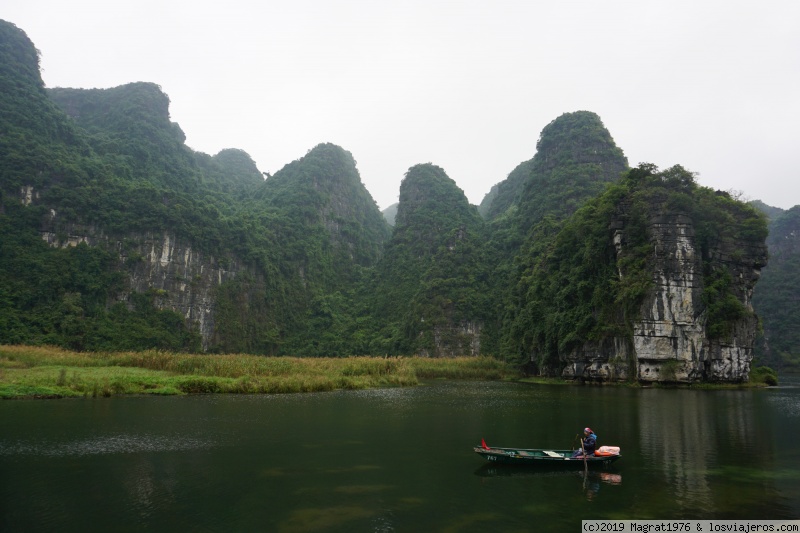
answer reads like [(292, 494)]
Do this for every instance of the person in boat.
[(589, 444)]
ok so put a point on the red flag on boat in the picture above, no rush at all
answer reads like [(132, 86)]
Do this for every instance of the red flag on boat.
[(483, 445)]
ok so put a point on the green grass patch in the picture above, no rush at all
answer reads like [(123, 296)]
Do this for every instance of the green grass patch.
[(46, 372), (11, 390), (65, 382)]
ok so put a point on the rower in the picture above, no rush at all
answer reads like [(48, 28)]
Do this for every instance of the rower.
[(588, 443)]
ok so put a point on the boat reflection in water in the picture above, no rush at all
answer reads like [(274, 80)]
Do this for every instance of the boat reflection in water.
[(590, 481)]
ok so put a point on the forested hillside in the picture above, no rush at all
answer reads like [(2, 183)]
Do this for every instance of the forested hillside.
[(116, 235), (575, 158), (429, 292), (51, 180), (113, 225), (313, 232), (778, 292)]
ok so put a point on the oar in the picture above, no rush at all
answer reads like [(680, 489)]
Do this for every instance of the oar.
[(585, 464)]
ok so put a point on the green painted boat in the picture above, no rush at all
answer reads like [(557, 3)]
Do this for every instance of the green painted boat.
[(541, 457)]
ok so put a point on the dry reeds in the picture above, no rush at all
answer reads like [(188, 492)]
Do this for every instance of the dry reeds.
[(53, 372)]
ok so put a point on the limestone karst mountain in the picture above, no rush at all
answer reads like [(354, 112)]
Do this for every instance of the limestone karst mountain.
[(652, 280), (430, 288), (777, 294), (390, 214), (575, 157), (116, 235)]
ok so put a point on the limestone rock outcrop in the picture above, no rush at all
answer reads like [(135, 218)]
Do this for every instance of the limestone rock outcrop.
[(182, 279), (671, 340)]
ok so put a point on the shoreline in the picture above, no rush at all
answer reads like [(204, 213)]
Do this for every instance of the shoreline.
[(37, 372), (54, 373)]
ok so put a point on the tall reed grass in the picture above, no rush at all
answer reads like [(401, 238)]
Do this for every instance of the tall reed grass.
[(27, 371)]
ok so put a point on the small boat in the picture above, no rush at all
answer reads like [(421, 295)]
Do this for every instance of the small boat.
[(540, 457)]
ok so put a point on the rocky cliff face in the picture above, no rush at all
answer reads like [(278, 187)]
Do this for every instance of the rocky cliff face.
[(182, 279), (670, 340), (455, 340)]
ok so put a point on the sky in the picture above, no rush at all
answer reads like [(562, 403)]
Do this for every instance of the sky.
[(712, 85)]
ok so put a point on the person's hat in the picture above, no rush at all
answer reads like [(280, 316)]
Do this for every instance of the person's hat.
[(588, 430)]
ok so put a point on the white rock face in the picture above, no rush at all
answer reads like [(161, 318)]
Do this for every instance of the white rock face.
[(187, 277), (184, 280), (27, 195), (670, 340), (670, 329)]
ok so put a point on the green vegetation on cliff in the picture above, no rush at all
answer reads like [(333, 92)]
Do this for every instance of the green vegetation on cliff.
[(312, 231), (430, 287), (62, 297), (575, 157), (579, 288), (37, 141), (777, 293), (305, 264), (110, 165), (52, 295)]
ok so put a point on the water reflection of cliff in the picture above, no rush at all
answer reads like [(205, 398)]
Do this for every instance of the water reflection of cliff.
[(688, 434)]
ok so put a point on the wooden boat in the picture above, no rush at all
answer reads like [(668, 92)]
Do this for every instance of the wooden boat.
[(540, 457)]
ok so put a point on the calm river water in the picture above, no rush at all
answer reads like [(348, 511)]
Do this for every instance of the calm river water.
[(395, 459)]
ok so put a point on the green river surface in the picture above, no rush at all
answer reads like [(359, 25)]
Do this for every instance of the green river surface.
[(395, 459)]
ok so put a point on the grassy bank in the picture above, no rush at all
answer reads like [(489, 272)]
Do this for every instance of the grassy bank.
[(44, 372)]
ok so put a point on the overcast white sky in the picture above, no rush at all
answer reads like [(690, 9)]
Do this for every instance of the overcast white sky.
[(713, 85)]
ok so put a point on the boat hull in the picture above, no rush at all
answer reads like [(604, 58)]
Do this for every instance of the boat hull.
[(542, 458)]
